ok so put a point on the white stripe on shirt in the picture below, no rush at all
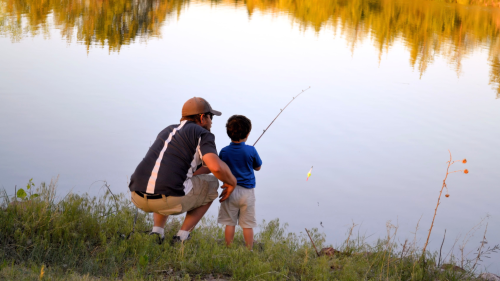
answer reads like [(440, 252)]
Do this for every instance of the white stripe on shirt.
[(154, 174)]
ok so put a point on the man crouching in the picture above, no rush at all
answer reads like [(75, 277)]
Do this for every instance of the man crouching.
[(171, 179)]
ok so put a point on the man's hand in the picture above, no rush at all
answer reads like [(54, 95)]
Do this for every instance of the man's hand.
[(226, 191)]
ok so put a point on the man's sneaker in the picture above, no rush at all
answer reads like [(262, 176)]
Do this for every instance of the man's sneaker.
[(177, 239), (160, 239)]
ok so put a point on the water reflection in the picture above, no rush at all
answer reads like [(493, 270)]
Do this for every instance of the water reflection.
[(426, 28), (113, 23)]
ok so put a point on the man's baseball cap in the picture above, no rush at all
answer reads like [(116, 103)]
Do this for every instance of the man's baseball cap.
[(197, 105)]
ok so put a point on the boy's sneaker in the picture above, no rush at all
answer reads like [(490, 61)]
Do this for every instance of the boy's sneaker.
[(177, 239), (160, 239)]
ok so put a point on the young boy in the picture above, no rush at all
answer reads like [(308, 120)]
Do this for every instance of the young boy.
[(242, 159)]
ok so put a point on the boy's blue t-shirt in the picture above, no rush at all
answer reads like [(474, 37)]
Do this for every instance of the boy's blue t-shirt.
[(241, 159)]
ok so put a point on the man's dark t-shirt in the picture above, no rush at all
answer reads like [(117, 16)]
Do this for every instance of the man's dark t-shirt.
[(171, 161)]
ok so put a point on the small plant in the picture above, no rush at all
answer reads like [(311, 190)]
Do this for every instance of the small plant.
[(80, 237), (450, 162), (143, 260), (21, 193), (42, 272)]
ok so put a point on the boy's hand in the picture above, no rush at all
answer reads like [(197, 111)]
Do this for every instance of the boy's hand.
[(226, 191)]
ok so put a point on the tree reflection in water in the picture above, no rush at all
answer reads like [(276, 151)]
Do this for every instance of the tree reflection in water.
[(104, 22), (427, 28)]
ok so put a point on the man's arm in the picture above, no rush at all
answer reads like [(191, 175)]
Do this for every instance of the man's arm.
[(201, 171), (258, 168), (220, 170)]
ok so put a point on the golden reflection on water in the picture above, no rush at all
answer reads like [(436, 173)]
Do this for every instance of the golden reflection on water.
[(104, 22), (450, 28)]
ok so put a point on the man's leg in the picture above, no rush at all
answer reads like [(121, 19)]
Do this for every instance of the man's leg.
[(159, 220), (194, 216), (229, 234), (198, 201), (248, 235), (159, 224)]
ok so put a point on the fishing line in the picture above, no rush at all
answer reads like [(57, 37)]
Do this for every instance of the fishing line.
[(280, 114)]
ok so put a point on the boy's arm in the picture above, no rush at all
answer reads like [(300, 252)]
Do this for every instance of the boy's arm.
[(257, 162)]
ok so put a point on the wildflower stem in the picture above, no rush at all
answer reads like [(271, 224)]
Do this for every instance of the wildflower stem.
[(440, 249), (317, 253), (481, 247), (437, 205)]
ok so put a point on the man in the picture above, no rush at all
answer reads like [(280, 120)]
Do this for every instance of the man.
[(171, 179)]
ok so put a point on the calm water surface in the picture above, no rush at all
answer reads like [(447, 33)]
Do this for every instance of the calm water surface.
[(85, 86)]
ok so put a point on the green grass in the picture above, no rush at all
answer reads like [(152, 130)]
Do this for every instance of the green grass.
[(80, 237)]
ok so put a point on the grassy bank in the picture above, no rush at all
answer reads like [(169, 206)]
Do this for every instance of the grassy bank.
[(83, 237)]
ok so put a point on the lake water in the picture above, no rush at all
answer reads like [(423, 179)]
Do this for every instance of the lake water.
[(85, 87)]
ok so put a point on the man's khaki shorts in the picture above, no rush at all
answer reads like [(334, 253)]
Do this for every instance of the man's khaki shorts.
[(203, 192), (239, 208)]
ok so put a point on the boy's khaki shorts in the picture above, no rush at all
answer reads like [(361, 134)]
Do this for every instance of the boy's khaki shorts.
[(239, 208), (203, 192)]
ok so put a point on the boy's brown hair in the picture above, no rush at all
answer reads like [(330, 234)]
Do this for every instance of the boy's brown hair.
[(238, 127)]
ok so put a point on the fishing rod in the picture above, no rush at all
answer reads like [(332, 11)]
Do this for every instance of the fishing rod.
[(280, 114)]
